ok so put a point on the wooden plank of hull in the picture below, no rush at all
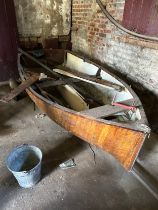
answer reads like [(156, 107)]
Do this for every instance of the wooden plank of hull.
[(123, 143)]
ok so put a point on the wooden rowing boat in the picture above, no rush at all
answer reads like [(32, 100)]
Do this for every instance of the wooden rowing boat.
[(99, 107)]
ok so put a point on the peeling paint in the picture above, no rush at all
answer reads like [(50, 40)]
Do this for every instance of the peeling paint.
[(43, 18)]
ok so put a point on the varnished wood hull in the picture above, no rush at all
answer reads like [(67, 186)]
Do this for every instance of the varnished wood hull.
[(123, 143)]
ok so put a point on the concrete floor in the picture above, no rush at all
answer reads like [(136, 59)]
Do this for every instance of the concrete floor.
[(104, 185)]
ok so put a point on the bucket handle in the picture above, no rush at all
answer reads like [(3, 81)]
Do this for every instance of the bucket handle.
[(21, 145)]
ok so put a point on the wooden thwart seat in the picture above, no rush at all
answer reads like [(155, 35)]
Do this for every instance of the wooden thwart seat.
[(103, 111), (109, 110)]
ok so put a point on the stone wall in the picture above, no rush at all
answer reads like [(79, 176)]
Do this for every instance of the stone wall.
[(43, 18), (96, 37)]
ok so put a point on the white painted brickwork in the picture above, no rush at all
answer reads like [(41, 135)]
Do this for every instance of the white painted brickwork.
[(137, 61)]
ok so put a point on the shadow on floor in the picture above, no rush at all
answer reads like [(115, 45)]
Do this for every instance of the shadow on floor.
[(68, 149), (8, 189), (149, 146), (84, 192), (8, 111)]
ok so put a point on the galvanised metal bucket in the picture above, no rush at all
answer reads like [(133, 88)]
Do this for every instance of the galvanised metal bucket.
[(25, 164)]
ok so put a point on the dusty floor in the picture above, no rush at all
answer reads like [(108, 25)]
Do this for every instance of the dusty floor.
[(104, 185)]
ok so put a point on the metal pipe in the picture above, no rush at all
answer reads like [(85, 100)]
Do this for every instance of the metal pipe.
[(118, 25)]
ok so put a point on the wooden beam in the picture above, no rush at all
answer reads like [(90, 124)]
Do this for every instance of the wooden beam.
[(79, 75), (23, 86), (52, 83)]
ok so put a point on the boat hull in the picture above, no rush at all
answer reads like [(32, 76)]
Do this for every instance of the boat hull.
[(123, 143)]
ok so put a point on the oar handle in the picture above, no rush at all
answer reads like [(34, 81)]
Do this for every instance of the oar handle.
[(124, 106)]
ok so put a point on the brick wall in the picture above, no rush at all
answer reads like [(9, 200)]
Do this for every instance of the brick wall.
[(93, 27), (94, 36)]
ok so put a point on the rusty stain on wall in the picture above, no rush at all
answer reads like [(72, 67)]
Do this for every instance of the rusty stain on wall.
[(43, 18)]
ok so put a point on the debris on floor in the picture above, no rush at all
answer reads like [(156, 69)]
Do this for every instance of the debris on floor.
[(63, 131), (68, 164), (43, 76), (40, 115)]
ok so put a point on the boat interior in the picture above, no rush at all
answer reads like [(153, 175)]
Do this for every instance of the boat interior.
[(83, 86)]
